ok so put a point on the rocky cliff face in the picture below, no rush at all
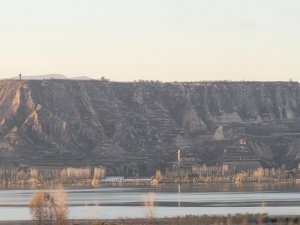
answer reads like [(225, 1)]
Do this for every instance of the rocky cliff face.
[(137, 127)]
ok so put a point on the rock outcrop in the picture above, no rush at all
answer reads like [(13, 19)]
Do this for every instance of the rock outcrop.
[(135, 128)]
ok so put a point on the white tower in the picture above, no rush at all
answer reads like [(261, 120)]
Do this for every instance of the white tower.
[(178, 157)]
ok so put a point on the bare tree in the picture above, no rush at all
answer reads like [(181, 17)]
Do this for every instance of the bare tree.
[(46, 208), (245, 220), (60, 205), (229, 220), (41, 208)]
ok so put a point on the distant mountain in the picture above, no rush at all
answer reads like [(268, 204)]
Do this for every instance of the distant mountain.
[(135, 128), (80, 78), (42, 77), (51, 76)]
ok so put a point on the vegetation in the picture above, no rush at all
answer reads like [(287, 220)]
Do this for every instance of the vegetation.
[(237, 219), (47, 177), (224, 174), (60, 205), (32, 177), (42, 208), (47, 208)]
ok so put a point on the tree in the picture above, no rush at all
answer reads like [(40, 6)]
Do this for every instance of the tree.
[(41, 208), (229, 220), (46, 208), (245, 220), (60, 205)]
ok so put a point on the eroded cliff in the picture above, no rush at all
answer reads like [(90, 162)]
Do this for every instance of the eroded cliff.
[(137, 127)]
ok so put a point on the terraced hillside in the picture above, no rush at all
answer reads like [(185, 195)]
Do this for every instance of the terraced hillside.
[(135, 128)]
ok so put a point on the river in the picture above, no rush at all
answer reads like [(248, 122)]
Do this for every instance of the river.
[(169, 201)]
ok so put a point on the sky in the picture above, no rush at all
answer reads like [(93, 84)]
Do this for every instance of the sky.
[(166, 40)]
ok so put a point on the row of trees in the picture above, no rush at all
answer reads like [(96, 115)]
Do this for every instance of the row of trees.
[(43, 176), (226, 174)]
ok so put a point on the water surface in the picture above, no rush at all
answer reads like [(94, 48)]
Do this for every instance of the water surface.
[(169, 201)]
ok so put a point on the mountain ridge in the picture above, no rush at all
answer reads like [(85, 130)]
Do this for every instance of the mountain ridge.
[(136, 127)]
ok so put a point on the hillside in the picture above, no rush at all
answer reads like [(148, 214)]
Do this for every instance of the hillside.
[(137, 127)]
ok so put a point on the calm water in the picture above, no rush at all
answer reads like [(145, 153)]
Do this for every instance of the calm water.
[(125, 202)]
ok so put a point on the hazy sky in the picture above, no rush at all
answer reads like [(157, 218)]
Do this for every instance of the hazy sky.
[(152, 39)]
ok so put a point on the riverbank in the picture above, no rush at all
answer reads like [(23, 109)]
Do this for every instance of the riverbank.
[(238, 219)]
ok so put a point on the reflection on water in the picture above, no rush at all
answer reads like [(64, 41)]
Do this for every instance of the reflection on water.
[(163, 201), (178, 200)]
